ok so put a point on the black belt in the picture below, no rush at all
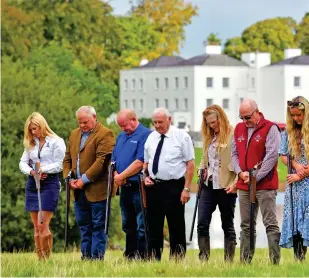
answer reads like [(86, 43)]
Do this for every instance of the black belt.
[(132, 184), (49, 175), (162, 181)]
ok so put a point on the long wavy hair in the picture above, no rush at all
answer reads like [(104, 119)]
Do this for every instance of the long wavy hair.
[(297, 132), (224, 125), (38, 120)]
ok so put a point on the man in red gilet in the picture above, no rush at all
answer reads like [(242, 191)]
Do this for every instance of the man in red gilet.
[(257, 140)]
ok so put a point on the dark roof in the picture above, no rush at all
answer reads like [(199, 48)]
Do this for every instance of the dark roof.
[(206, 60), (298, 60), (213, 60), (164, 61)]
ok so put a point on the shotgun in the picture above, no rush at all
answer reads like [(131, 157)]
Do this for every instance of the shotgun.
[(67, 208), (38, 187), (110, 187), (142, 192), (297, 238), (198, 195)]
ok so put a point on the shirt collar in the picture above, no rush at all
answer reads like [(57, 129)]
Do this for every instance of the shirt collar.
[(135, 132), (168, 133)]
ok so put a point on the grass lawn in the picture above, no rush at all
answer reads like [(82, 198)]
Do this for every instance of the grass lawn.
[(70, 265), (282, 170)]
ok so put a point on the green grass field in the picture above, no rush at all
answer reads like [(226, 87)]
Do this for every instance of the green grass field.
[(282, 170), (70, 265)]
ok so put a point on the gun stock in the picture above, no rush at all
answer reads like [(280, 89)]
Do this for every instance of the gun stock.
[(38, 187), (110, 187), (198, 195)]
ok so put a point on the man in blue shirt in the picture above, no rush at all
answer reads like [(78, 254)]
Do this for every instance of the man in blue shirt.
[(129, 157)]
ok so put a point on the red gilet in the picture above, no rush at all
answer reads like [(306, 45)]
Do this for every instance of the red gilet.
[(249, 157)]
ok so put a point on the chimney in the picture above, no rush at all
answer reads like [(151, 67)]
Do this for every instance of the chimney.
[(291, 52), (256, 59), (213, 49), (143, 62)]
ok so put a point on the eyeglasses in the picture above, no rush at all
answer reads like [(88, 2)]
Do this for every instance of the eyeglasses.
[(247, 117), (296, 104)]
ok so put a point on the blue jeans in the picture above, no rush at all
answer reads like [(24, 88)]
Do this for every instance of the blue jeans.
[(90, 218), (132, 221)]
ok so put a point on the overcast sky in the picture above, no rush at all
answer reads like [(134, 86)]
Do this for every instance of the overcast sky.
[(227, 18)]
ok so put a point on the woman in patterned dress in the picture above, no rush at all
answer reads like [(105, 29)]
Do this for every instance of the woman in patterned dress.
[(295, 141)]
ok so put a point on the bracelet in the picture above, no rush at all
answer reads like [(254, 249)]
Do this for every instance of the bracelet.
[(187, 189)]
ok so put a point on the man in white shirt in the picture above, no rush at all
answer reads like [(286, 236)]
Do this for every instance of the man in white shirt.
[(169, 168)]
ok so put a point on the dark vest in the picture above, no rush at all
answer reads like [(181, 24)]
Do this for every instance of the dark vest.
[(252, 153)]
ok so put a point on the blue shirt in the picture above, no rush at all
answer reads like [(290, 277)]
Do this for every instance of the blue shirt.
[(129, 148)]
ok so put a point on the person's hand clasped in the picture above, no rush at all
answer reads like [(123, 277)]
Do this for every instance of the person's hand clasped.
[(149, 182), (292, 178), (244, 176), (231, 189), (76, 184), (119, 180), (301, 170), (185, 197)]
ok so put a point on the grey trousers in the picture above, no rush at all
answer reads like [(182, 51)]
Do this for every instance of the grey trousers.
[(266, 200)]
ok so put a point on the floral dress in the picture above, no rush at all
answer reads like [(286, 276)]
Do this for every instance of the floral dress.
[(300, 194)]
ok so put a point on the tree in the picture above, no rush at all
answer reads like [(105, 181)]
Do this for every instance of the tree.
[(270, 35), (302, 34), (212, 39), (169, 18), (51, 82)]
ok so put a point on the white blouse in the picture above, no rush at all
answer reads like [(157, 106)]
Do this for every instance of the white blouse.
[(51, 156)]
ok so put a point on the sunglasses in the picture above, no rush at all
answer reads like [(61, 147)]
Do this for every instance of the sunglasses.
[(296, 104), (247, 117)]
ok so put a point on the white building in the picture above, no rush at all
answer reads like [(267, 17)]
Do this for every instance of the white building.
[(187, 86)]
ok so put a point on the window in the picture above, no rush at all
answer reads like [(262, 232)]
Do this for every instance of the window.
[(176, 82), (133, 103), (126, 84), (125, 103), (296, 81), (225, 82), (209, 81), (176, 103), (226, 103), (141, 82), (166, 103), (185, 81), (185, 103), (166, 83), (157, 83), (241, 99), (133, 84), (141, 105), (209, 102), (252, 82), (157, 103)]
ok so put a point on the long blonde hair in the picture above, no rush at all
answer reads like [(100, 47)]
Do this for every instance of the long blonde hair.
[(296, 132), (208, 133), (37, 119)]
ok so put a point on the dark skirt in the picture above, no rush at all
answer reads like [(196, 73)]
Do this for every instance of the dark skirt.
[(50, 189)]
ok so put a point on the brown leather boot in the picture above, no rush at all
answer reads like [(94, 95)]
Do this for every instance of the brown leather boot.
[(46, 245), (38, 249), (229, 249), (204, 246)]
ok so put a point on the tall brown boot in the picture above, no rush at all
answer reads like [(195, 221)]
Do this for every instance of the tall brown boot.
[(274, 248), (38, 249), (204, 246), (46, 245), (229, 249), (246, 254)]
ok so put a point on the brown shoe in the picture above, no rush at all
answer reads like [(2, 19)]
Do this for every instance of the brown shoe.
[(46, 245), (38, 249)]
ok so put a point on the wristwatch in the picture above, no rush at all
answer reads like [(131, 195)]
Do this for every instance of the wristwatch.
[(187, 189)]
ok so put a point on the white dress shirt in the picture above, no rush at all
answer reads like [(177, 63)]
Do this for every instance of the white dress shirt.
[(176, 151), (51, 156)]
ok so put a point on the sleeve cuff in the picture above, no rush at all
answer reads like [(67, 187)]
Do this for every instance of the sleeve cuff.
[(85, 179)]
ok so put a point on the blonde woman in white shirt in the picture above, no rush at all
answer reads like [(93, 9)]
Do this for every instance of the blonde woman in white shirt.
[(44, 146)]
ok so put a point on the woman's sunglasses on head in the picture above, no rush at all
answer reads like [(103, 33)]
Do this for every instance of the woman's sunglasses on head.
[(296, 104)]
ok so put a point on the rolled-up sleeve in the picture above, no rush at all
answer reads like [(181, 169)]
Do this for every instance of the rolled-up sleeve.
[(187, 148), (146, 155)]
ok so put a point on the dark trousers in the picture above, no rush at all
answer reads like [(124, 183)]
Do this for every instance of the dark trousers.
[(90, 218), (208, 202), (163, 199), (132, 221)]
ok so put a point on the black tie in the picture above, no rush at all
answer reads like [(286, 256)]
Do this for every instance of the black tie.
[(157, 156)]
